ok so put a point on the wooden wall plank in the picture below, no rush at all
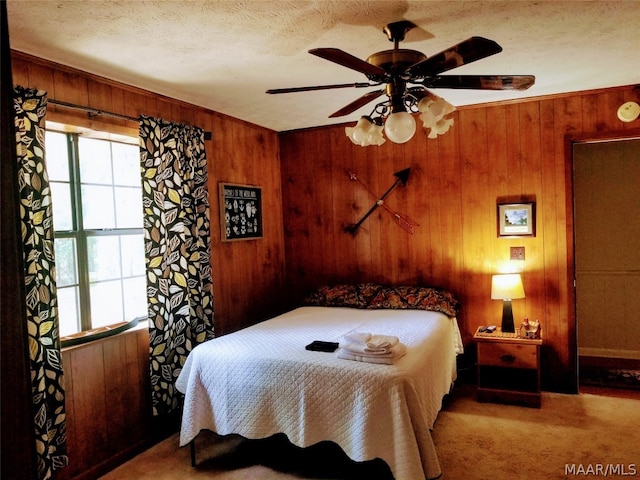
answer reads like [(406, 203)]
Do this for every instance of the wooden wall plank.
[(20, 72), (568, 120), (136, 425), (70, 88), (118, 102), (497, 157), (41, 78), (144, 367), (607, 105), (514, 177), (135, 104), (116, 393), (477, 214), (368, 239), (69, 403), (451, 216), (590, 112), (99, 96), (380, 180), (320, 219), (419, 208), (531, 172), (547, 210), (432, 256), (344, 200), (90, 406)]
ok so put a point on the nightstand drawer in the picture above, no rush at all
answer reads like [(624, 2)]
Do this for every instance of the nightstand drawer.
[(508, 355)]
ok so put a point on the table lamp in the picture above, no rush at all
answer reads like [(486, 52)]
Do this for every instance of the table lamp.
[(506, 287)]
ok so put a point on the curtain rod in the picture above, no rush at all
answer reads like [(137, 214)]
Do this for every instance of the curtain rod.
[(91, 111), (96, 112)]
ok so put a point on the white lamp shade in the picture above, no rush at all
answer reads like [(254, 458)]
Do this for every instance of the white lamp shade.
[(506, 286), (400, 127)]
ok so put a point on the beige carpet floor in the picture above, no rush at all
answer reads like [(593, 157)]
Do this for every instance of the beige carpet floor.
[(491, 441), (569, 437)]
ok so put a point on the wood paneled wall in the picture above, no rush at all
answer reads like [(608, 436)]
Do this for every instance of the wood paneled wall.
[(515, 151), (108, 403), (248, 275)]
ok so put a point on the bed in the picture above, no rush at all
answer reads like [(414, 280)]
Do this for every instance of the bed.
[(261, 380)]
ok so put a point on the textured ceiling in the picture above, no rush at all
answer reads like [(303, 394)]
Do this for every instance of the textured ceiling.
[(223, 55)]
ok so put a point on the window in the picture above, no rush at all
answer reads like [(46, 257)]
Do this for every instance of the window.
[(99, 243)]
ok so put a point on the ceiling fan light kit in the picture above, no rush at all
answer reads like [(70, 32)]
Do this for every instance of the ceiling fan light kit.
[(398, 68)]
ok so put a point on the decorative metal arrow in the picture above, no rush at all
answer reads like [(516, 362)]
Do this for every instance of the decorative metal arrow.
[(403, 221)]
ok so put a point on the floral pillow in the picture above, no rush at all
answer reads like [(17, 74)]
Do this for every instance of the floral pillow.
[(374, 296)]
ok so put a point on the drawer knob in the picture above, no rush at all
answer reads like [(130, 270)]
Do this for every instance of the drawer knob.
[(506, 358)]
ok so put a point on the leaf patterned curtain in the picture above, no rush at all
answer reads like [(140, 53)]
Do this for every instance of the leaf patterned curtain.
[(47, 384), (178, 250)]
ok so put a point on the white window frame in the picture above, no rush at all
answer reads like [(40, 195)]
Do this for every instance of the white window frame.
[(86, 329)]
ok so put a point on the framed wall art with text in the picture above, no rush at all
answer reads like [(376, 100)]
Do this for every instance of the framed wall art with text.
[(240, 212)]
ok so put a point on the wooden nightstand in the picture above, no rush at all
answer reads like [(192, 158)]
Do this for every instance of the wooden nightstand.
[(508, 369)]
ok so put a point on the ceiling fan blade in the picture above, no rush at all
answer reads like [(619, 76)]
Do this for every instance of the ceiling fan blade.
[(481, 82), (356, 104), (345, 59), (470, 50), (321, 87)]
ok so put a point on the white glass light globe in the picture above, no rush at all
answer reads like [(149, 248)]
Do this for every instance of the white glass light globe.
[(400, 127)]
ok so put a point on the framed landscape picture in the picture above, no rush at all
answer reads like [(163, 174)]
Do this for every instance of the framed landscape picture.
[(517, 219), (240, 212)]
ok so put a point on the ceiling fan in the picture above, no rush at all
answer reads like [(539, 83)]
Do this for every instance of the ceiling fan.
[(407, 75)]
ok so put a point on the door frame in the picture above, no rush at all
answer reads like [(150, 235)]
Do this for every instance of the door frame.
[(570, 141)]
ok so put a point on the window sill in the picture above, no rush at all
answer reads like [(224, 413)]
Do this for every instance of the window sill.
[(88, 336)]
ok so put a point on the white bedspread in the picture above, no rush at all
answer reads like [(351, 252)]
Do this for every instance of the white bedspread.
[(260, 381)]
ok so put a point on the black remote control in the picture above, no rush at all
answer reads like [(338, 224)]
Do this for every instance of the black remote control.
[(321, 346)]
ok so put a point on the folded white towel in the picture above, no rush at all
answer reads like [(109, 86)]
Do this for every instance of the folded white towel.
[(362, 349), (359, 349), (357, 337), (361, 343), (389, 358), (381, 342)]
